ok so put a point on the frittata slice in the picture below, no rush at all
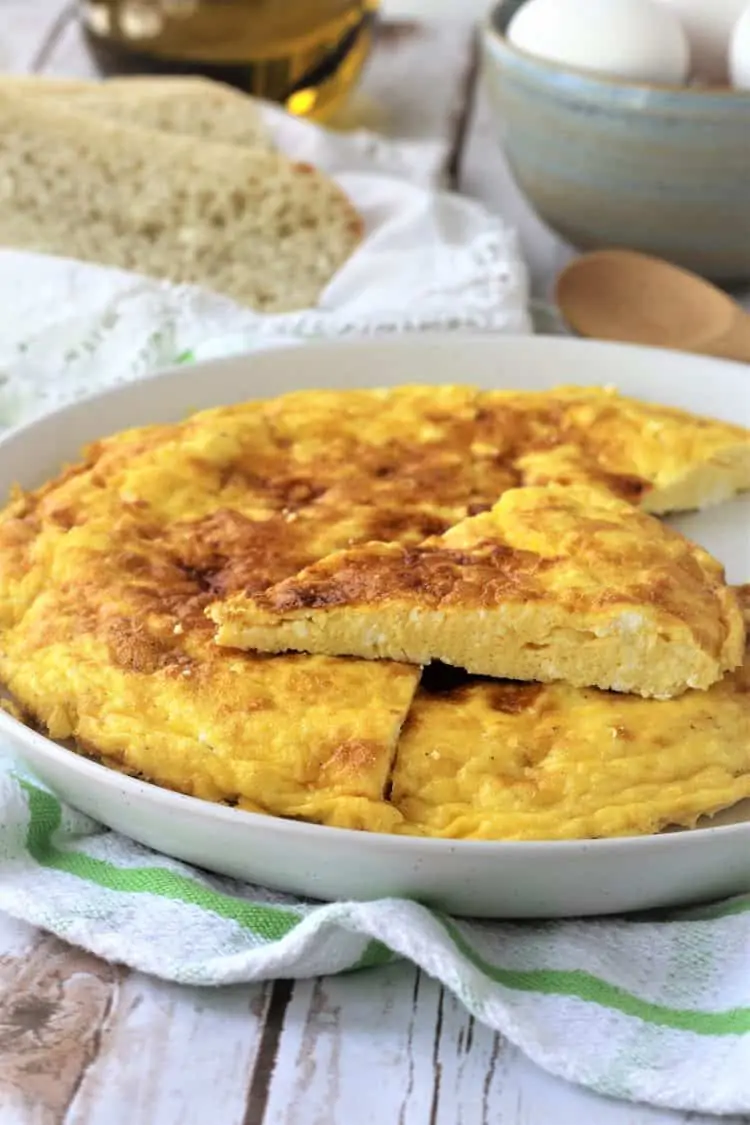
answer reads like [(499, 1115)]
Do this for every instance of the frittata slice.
[(555, 583), (104, 640), (499, 760), (659, 457)]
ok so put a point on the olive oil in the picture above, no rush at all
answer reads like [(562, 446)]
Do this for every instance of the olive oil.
[(306, 54)]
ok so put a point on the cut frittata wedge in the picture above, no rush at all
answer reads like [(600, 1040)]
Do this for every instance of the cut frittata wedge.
[(555, 583)]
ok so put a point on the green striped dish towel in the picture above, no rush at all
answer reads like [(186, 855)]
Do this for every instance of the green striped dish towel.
[(652, 1008)]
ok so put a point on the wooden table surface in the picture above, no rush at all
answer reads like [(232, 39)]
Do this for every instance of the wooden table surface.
[(85, 1043)]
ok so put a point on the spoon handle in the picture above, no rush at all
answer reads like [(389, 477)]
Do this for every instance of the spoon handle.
[(734, 344)]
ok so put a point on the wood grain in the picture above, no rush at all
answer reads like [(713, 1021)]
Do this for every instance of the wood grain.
[(273, 1036), (55, 1002), (424, 1057), (86, 1043), (174, 1056)]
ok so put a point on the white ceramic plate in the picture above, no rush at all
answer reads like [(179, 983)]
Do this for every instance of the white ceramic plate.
[(465, 877)]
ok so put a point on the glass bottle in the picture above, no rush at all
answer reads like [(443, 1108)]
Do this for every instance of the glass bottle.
[(306, 54)]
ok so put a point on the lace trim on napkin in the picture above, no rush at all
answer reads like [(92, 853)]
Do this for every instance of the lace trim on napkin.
[(73, 329)]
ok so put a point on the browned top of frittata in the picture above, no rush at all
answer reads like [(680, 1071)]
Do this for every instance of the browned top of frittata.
[(106, 571)]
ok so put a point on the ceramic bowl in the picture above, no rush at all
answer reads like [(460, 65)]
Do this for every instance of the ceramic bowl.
[(661, 169)]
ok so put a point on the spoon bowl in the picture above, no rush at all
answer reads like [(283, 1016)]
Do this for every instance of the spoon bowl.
[(633, 298)]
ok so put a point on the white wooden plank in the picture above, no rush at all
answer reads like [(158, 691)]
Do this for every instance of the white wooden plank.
[(85, 1043), (526, 1095), (352, 1051), (416, 79), (53, 1000), (468, 1057), (24, 27), (391, 1046), (173, 1056), (426, 10)]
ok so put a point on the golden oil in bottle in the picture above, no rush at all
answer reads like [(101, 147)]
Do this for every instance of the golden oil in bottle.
[(305, 54)]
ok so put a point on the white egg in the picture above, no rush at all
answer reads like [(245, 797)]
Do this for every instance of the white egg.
[(739, 53), (635, 40), (708, 24)]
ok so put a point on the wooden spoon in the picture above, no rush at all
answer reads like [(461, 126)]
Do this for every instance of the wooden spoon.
[(623, 295)]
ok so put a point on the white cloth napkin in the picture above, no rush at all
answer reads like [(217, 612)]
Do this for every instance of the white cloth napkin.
[(654, 1009), (420, 162), (430, 261)]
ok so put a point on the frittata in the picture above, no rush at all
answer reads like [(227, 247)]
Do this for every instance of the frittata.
[(561, 582), (106, 573), (113, 650)]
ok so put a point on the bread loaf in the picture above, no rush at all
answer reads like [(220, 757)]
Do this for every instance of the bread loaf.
[(196, 107), (245, 222)]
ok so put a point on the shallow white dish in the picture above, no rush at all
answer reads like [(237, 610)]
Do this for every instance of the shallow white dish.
[(499, 879)]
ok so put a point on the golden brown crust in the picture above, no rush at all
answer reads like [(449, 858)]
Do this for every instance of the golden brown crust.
[(104, 637), (556, 582), (378, 573), (579, 547)]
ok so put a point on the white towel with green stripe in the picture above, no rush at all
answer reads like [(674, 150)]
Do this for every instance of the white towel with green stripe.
[(653, 1008)]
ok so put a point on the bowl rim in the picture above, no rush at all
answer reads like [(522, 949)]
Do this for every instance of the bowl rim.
[(489, 31)]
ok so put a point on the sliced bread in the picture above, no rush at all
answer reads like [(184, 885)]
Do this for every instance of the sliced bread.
[(196, 107), (248, 223)]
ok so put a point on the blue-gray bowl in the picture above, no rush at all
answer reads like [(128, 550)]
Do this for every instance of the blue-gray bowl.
[(662, 169)]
